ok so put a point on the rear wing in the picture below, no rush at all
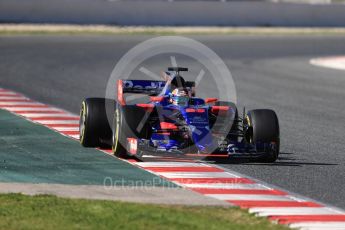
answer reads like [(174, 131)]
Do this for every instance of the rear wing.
[(148, 87)]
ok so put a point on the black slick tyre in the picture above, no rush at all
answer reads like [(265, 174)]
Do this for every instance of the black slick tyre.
[(94, 128), (263, 126), (129, 122)]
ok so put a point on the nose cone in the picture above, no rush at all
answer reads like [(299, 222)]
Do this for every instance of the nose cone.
[(198, 122)]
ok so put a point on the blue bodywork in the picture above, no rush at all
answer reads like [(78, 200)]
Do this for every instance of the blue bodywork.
[(195, 117), (191, 127), (197, 120)]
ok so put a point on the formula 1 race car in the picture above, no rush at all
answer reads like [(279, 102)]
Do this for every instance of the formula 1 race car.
[(174, 120)]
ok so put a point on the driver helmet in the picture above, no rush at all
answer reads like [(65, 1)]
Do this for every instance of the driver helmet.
[(180, 97)]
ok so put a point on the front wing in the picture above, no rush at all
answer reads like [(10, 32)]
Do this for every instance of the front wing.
[(141, 148)]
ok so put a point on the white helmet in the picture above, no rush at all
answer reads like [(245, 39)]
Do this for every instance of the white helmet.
[(179, 96)]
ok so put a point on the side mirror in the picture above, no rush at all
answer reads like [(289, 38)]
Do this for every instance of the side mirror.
[(211, 100)]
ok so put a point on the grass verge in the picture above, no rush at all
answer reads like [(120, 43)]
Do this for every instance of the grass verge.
[(50, 212), (52, 29)]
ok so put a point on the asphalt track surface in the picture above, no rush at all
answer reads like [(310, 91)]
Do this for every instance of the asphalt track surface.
[(269, 72)]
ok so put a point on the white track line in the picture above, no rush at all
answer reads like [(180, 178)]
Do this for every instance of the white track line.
[(249, 197), (9, 93), (330, 62), (225, 186), (318, 225), (13, 97), (35, 115), (321, 228), (197, 175), (4, 103), (292, 211), (168, 164), (51, 122), (66, 129), (15, 109), (73, 136)]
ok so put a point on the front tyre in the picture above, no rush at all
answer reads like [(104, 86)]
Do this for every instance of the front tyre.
[(94, 128), (263, 127), (130, 121)]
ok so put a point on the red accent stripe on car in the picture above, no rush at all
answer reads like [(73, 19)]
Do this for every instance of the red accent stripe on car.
[(167, 126), (156, 99), (133, 145), (120, 98), (206, 155), (164, 133), (146, 106), (219, 108), (211, 100), (190, 110)]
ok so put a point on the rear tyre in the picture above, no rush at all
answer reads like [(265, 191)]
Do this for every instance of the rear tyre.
[(263, 127), (129, 121), (94, 128)]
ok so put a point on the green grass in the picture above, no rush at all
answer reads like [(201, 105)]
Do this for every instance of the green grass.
[(50, 212)]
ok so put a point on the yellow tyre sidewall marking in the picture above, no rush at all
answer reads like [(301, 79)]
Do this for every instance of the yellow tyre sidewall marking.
[(83, 113), (117, 125), (248, 121), (249, 125)]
